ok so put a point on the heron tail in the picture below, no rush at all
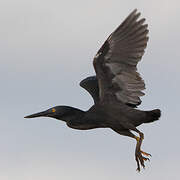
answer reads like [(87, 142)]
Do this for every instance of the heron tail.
[(153, 115)]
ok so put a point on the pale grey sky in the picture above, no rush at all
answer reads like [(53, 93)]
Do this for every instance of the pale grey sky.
[(46, 48)]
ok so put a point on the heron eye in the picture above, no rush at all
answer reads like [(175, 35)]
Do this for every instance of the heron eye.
[(53, 110)]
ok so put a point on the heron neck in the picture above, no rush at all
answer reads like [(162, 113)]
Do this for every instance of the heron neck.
[(73, 114)]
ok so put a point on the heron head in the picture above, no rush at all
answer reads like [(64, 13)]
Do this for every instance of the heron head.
[(58, 112)]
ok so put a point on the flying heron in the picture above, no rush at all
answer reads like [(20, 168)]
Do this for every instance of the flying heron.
[(116, 88)]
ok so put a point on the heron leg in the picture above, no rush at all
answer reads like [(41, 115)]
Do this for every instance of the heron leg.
[(130, 134), (138, 152)]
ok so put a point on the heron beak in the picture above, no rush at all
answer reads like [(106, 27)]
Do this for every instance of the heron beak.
[(40, 114)]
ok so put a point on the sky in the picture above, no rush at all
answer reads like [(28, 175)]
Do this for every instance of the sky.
[(46, 49)]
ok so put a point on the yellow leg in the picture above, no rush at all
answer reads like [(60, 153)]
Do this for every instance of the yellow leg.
[(144, 153), (138, 154), (137, 138)]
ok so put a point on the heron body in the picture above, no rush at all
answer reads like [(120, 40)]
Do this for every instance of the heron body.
[(107, 116), (116, 88)]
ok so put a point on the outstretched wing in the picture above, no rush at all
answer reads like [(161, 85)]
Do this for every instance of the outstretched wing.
[(90, 84), (116, 61)]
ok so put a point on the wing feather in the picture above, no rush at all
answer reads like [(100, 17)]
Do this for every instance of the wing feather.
[(90, 84), (116, 61)]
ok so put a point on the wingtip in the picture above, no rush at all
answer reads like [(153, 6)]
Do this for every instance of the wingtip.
[(135, 10), (135, 13)]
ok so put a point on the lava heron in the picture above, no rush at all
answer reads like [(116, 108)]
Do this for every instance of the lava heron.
[(116, 88)]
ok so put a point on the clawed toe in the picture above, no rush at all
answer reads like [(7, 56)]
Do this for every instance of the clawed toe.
[(146, 154), (146, 159), (141, 159)]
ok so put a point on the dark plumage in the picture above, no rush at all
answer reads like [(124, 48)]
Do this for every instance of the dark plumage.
[(116, 88)]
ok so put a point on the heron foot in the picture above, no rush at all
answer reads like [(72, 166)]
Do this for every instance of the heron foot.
[(141, 159)]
